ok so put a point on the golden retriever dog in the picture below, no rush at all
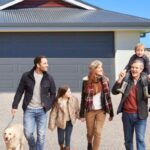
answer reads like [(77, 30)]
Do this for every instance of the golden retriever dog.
[(14, 137)]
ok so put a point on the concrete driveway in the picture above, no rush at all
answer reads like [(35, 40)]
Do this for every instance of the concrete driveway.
[(112, 136)]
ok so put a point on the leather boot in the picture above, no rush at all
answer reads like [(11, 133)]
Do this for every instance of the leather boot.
[(62, 147), (145, 85), (123, 87), (67, 148), (89, 146), (146, 94)]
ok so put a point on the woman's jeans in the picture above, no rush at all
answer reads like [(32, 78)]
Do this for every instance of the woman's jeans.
[(35, 118), (131, 122), (64, 135)]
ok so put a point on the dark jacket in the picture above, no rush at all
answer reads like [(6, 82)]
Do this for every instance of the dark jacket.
[(26, 86), (145, 61), (142, 102), (84, 95)]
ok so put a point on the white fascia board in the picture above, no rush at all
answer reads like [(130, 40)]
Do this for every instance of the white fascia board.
[(10, 4), (80, 4), (69, 29)]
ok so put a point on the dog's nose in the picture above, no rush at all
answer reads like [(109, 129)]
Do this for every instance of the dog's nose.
[(6, 138)]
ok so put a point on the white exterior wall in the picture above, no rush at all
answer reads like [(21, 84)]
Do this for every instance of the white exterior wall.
[(125, 42)]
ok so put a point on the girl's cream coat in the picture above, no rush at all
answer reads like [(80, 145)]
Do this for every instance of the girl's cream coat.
[(57, 116)]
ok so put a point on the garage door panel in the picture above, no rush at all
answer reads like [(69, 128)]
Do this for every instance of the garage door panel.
[(65, 68), (65, 45), (69, 54), (66, 76), (5, 68), (6, 84), (78, 68), (23, 67), (73, 83)]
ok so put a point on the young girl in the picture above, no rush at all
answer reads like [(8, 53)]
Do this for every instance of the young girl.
[(63, 115)]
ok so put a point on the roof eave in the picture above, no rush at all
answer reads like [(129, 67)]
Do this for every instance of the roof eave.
[(73, 2), (135, 25), (10, 4), (80, 4), (70, 29)]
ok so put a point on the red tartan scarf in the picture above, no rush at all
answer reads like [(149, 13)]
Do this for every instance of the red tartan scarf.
[(107, 97)]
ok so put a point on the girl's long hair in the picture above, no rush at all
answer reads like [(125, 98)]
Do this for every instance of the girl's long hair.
[(61, 92)]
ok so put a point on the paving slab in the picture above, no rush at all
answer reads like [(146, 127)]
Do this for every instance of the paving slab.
[(112, 135)]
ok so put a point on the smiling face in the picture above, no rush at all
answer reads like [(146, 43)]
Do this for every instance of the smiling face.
[(43, 65), (136, 69), (8, 135), (139, 51), (67, 94), (99, 70)]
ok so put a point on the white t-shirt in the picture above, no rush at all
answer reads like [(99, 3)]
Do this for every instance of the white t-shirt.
[(97, 102)]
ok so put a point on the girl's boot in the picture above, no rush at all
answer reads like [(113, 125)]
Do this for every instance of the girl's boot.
[(62, 147), (67, 148)]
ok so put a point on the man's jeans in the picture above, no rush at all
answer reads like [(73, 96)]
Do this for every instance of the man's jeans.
[(64, 135), (131, 122), (35, 118)]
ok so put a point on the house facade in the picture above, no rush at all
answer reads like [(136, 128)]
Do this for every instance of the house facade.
[(70, 33)]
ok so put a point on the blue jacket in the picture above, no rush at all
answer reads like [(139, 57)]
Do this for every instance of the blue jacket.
[(26, 86)]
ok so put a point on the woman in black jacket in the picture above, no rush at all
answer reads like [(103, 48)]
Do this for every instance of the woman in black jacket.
[(95, 103)]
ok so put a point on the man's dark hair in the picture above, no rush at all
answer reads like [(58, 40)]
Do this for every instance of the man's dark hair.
[(37, 60)]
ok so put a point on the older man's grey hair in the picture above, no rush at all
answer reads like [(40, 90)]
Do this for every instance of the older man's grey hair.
[(140, 62)]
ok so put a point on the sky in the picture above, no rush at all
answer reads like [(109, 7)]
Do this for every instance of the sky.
[(139, 8)]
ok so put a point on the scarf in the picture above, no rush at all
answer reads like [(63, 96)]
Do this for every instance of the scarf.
[(107, 98)]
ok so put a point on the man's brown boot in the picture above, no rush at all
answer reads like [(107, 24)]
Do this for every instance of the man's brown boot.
[(67, 148), (62, 147)]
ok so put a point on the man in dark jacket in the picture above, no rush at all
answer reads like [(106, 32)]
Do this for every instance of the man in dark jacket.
[(134, 106), (39, 92)]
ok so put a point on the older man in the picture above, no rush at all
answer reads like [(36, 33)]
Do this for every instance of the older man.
[(134, 106)]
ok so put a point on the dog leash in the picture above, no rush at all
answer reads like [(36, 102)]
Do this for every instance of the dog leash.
[(10, 122)]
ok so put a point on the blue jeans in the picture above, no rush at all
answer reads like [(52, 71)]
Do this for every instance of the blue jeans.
[(35, 118), (131, 122), (64, 135)]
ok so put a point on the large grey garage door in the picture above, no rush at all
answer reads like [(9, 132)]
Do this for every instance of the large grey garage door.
[(68, 54)]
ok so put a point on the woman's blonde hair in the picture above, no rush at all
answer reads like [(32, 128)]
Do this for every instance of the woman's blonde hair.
[(94, 64), (92, 77)]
